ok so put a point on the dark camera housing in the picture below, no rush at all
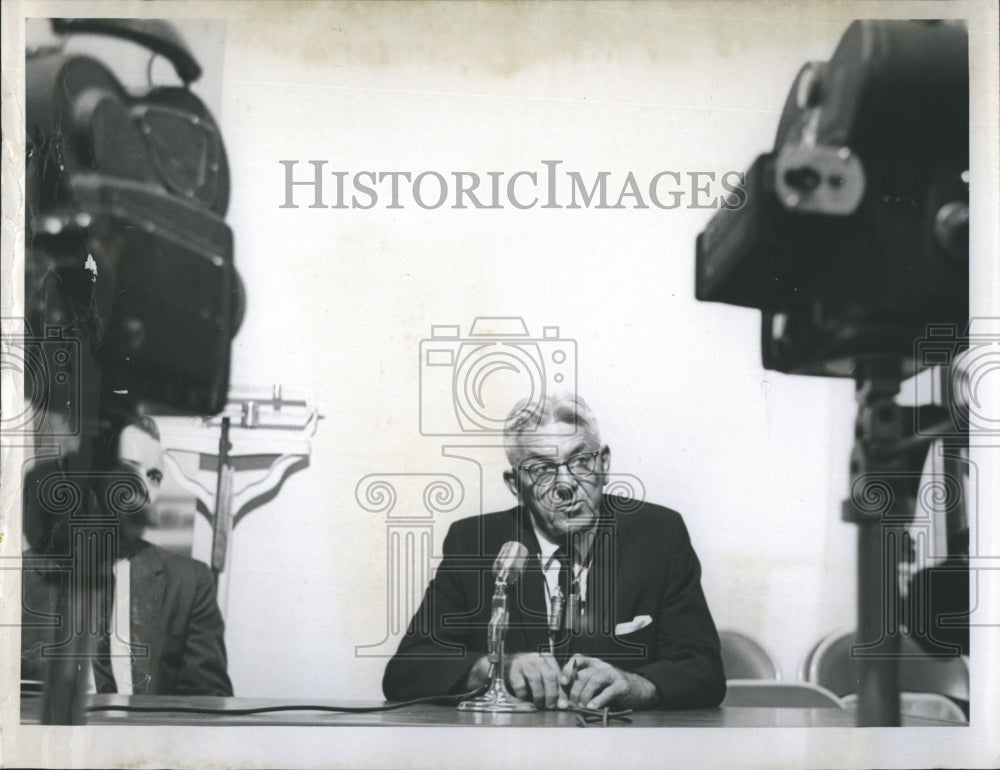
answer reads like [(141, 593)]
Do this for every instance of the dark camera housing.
[(854, 235), (126, 242)]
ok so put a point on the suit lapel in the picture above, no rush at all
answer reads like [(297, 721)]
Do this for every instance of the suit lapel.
[(598, 621), (147, 587), (526, 604), (602, 581)]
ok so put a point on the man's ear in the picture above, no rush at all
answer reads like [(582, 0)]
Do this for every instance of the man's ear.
[(606, 462), (510, 479)]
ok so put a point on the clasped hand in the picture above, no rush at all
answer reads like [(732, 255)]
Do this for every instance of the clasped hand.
[(582, 682)]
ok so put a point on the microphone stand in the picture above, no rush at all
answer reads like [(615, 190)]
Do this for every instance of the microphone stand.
[(497, 699)]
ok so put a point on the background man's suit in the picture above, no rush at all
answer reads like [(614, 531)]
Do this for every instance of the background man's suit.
[(643, 564), (174, 613)]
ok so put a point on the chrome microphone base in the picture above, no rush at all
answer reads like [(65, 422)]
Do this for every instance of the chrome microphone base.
[(498, 701)]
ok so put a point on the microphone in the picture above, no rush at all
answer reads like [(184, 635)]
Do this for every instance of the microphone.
[(507, 568), (509, 564)]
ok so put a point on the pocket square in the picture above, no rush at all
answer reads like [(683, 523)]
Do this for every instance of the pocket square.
[(639, 621)]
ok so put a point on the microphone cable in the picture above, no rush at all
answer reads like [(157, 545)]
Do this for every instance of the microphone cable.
[(584, 716), (444, 700)]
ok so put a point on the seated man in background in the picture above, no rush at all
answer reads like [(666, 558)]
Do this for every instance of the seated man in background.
[(610, 609), (163, 630)]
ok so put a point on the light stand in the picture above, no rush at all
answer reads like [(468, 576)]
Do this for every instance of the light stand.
[(497, 699)]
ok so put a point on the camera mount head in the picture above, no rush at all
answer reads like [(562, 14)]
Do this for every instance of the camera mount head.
[(854, 236)]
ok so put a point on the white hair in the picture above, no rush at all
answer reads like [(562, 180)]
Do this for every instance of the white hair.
[(530, 416)]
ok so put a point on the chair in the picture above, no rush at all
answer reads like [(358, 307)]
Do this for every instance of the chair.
[(745, 658), (919, 704), (831, 665), (770, 694)]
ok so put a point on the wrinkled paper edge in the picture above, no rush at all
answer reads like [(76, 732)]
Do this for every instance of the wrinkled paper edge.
[(307, 747)]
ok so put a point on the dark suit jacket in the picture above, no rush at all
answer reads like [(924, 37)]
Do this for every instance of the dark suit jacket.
[(175, 620), (643, 564)]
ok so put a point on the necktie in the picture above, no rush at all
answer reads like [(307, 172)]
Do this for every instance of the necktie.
[(573, 606), (569, 589)]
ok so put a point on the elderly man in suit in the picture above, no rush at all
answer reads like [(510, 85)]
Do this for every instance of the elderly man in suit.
[(610, 609), (163, 629)]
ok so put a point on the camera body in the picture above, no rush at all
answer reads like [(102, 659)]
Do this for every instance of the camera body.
[(468, 384), (125, 238), (854, 236)]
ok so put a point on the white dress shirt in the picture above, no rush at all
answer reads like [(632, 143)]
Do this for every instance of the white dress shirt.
[(121, 627), (550, 568), (119, 632)]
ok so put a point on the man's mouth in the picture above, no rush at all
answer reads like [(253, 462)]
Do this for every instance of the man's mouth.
[(564, 501), (570, 509)]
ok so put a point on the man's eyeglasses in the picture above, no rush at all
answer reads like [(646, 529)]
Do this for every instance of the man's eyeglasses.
[(580, 466)]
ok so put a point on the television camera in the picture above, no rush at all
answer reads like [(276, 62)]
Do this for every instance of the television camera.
[(131, 296), (854, 244)]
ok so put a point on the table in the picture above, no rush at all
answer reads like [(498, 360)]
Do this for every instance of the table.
[(429, 715)]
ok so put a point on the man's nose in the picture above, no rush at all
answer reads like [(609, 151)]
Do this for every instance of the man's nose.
[(562, 493), (564, 484)]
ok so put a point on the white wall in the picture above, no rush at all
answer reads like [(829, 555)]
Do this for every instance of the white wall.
[(339, 301)]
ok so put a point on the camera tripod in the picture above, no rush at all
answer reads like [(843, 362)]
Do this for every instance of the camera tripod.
[(885, 469)]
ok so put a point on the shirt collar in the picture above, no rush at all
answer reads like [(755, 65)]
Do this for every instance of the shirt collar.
[(548, 548)]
